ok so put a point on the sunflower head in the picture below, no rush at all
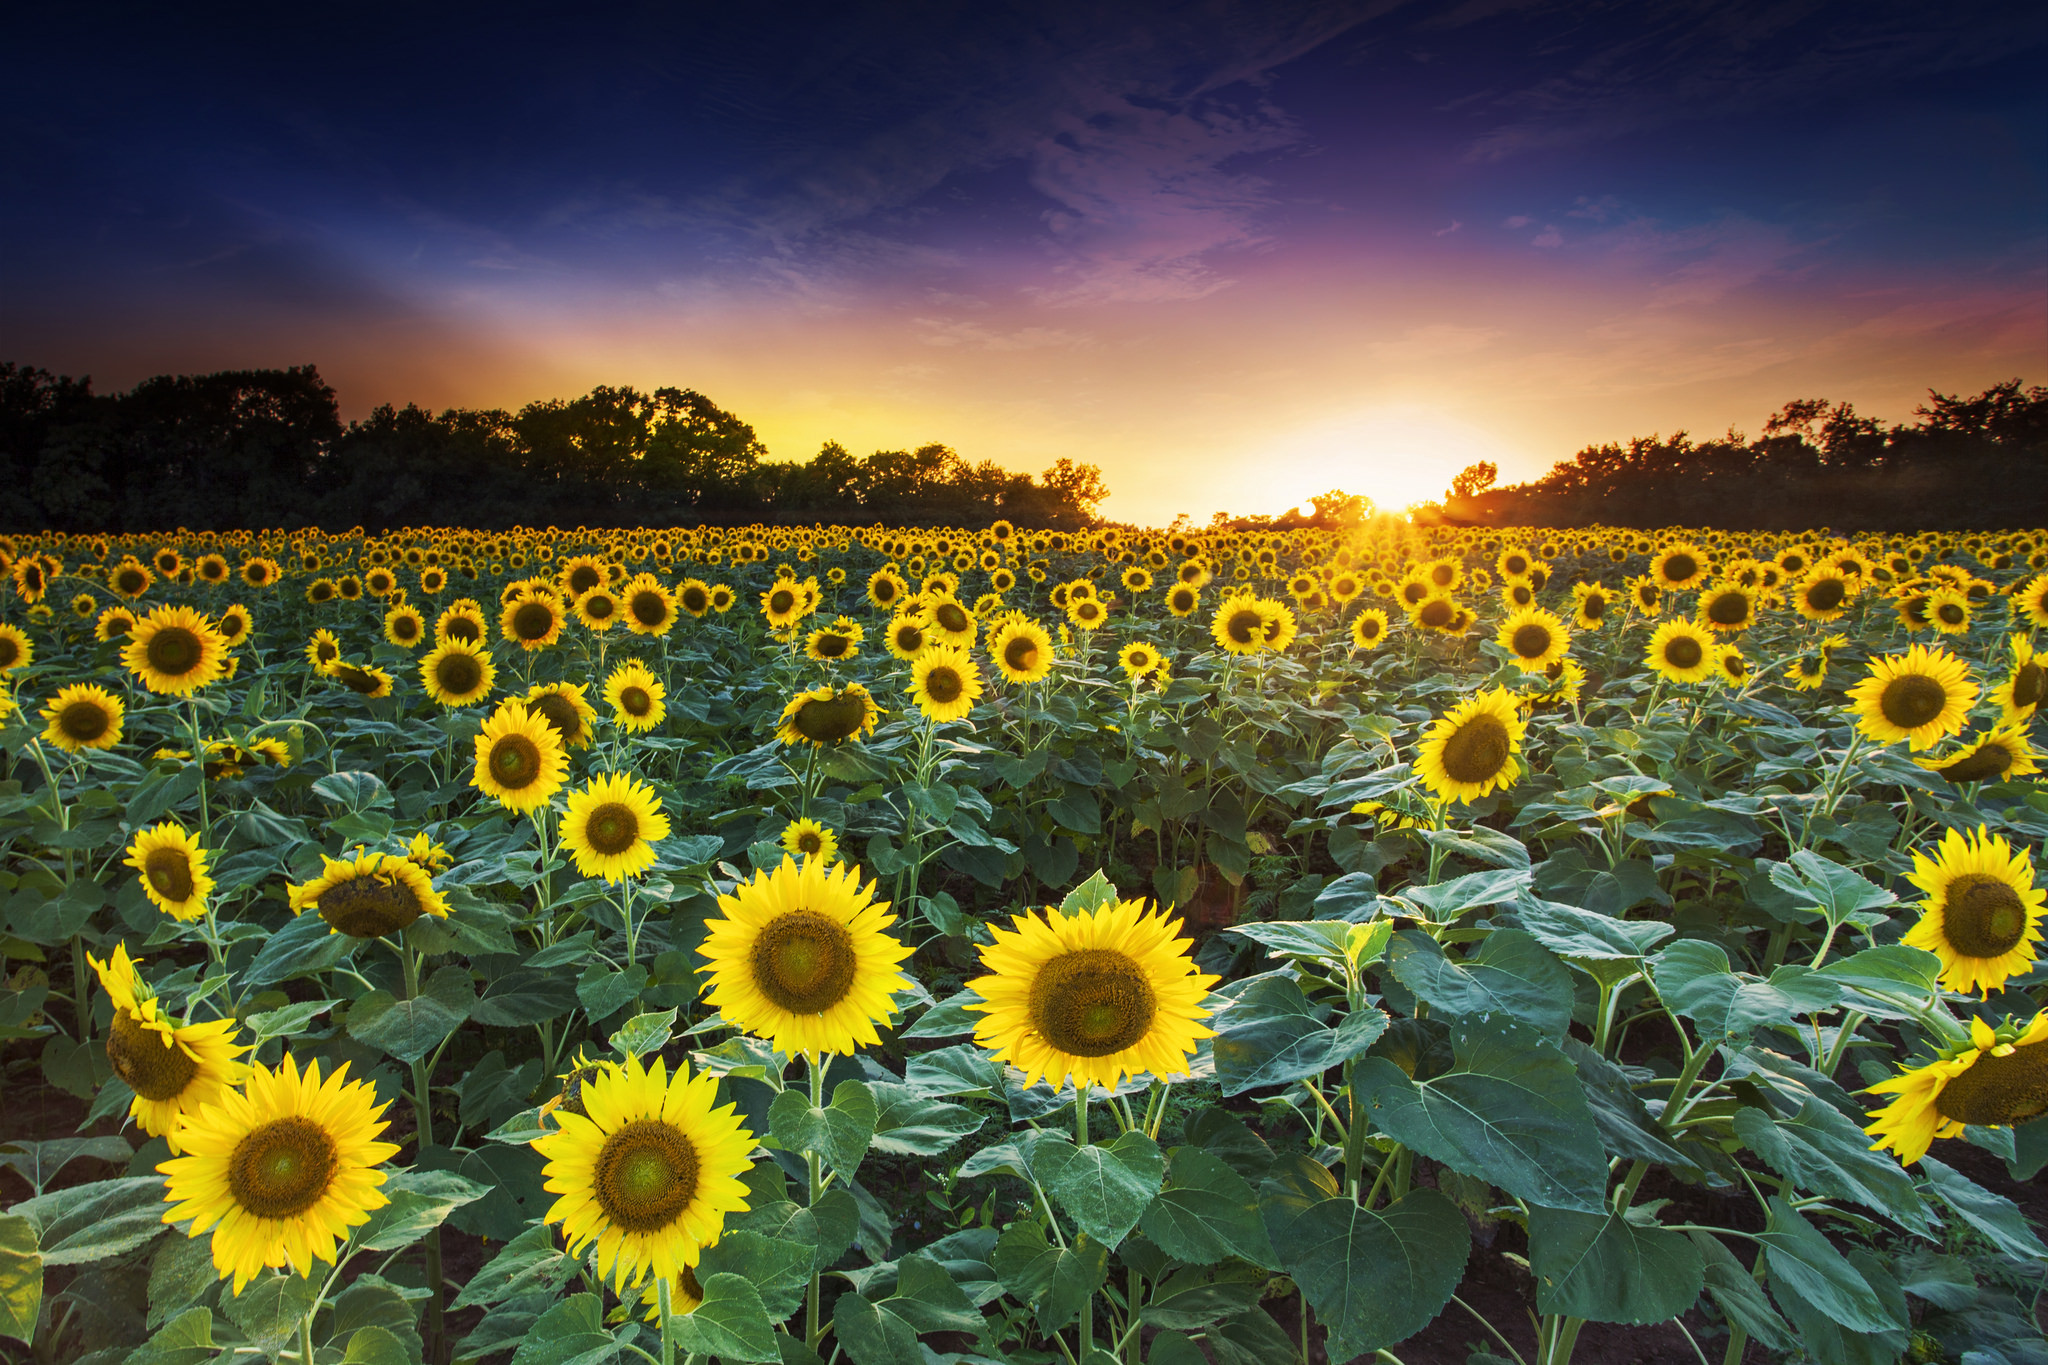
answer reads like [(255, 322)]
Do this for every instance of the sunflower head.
[(611, 826), (1471, 751), (1921, 696), (520, 759), (83, 716), (827, 715), (945, 683), (173, 868), (1680, 651), (1997, 1078), (1534, 639), (1982, 914), (368, 895), (175, 651), (563, 707), (808, 839), (1022, 651), (457, 673)]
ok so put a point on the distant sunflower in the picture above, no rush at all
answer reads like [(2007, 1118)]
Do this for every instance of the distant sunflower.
[(1471, 750), (801, 959), (836, 643), (1021, 651), (1138, 659), (886, 589), (636, 698), (173, 868), (83, 716), (650, 608), (563, 706), (1728, 608), (1982, 914), (261, 573), (405, 627), (2026, 685), (368, 895), (1823, 595), (2002, 754), (457, 674), (279, 1170), (611, 825), (532, 621), (362, 679), (1183, 599), (1534, 638), (723, 598), (16, 649), (1920, 696), (1730, 664), (174, 651), (1647, 597), (1681, 652), (1435, 613), (130, 578), (113, 623), (1680, 566), (323, 651), (1995, 1080), (1948, 611), (1093, 997), (172, 1068), (1087, 613), (809, 839), (951, 623), (944, 682), (1807, 672), (907, 637), (520, 759), (782, 603), (1369, 629)]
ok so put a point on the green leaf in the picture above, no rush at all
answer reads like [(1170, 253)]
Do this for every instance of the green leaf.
[(872, 1335), (1511, 974), (840, 1132), (375, 1346), (1821, 1151), (1206, 1212), (180, 1272), (1104, 1187), (778, 1268), (1092, 894), (1053, 1279), (731, 1323), (1813, 1272), (1827, 886), (1376, 1276), (927, 1298), (284, 1023), (409, 1029), (185, 1340), (644, 1033), (1738, 1293), (1320, 939), (21, 1278), (1694, 979), (525, 996), (270, 1308), (603, 992), (1608, 1269), (1272, 1035), (1821, 1338), (962, 1069), (303, 947), (570, 1333), (1997, 1217), (420, 1202), (38, 1162), (92, 1222), (947, 1019), (1194, 1297), (1587, 936), (529, 1263), (1445, 901), (1509, 1112), (354, 791), (910, 1124)]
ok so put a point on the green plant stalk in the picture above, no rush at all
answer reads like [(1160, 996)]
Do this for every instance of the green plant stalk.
[(1354, 1131), (423, 1136), (668, 1345), (1087, 1328), (306, 1336), (814, 1324)]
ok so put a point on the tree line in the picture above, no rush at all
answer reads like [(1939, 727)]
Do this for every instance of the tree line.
[(252, 448), (1975, 463)]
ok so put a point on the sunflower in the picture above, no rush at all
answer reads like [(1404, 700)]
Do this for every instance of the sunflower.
[(1021, 651), (1730, 666), (1562, 682), (457, 673), (1681, 651), (261, 573), (1138, 659), (648, 1171), (1471, 750), (424, 853), (907, 637), (649, 608), (173, 868), (1087, 613), (1807, 672), (563, 706), (1435, 612), (1982, 914), (1281, 627), (580, 573), (1823, 595), (368, 894), (782, 603), (2026, 687), (280, 1170), (949, 622), (130, 578), (172, 1069), (693, 595), (1948, 611), (1728, 608), (1094, 996), (1920, 696), (635, 696), (809, 839), (82, 717), (1996, 1079), (827, 715), (532, 620), (800, 959), (1590, 604), (1681, 565), (404, 626), (1647, 597), (2001, 754), (944, 682), (113, 623), (1183, 599), (886, 589), (1535, 638), (520, 759), (16, 649), (462, 621), (835, 643), (362, 679), (1239, 626), (323, 651), (1369, 629), (611, 826), (174, 651), (2030, 601)]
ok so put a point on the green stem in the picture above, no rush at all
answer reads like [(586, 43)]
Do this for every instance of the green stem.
[(1081, 1089), (1354, 1131), (306, 1336), (668, 1345), (423, 1135), (814, 1325)]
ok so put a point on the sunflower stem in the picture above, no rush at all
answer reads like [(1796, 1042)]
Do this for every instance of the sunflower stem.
[(306, 1336), (1081, 1089), (668, 1345), (814, 1325)]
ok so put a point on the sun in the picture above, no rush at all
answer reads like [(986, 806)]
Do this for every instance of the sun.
[(1397, 454)]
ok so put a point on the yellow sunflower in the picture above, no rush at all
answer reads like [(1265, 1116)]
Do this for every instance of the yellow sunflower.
[(1093, 996), (1182, 599), (457, 673), (907, 636), (945, 683), (886, 589), (367, 895), (404, 626), (113, 623), (1807, 672), (1996, 1079), (1823, 595), (1920, 696), (1021, 651), (1982, 914), (801, 959), (83, 716), (949, 622), (1590, 604), (1471, 751), (635, 696), (173, 868), (827, 715), (1948, 611), (279, 1170), (563, 706), (1239, 626), (809, 839), (520, 759), (611, 826), (2030, 601), (1369, 629), (1730, 667), (234, 625), (598, 610), (2025, 687), (532, 620), (462, 620), (1680, 566), (362, 679), (173, 1069), (647, 1172), (1138, 659), (1535, 638), (1681, 651), (174, 651), (782, 603), (835, 643), (1728, 608), (2001, 754), (693, 595), (323, 651)]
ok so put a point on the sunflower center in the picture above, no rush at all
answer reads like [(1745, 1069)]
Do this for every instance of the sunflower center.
[(1826, 595), (1999, 1090), (781, 601), (1683, 652), (826, 719), (951, 616), (1984, 764), (833, 646), (1982, 916), (368, 906), (463, 629), (1092, 1002), (1532, 641), (1912, 700), (515, 761), (599, 606), (170, 871), (1593, 608), (1735, 665), (281, 1169), (910, 639), (583, 578), (1369, 628), (884, 591), (84, 721), (646, 1175), (613, 828), (1678, 568), (2030, 685), (648, 608), (1245, 626), (1728, 609), (635, 701), (533, 621), (559, 712), (1953, 613), (1021, 653), (139, 1057), (458, 674), (174, 651), (804, 962), (1476, 750), (1437, 613), (943, 685)]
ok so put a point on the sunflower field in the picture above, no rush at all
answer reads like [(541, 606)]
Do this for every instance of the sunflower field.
[(866, 946)]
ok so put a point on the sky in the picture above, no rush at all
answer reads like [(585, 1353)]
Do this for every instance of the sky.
[(1234, 254)]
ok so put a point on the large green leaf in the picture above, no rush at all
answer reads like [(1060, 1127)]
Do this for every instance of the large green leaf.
[(1812, 1272), (1054, 1280), (913, 1124), (1510, 974), (1695, 980), (528, 1263), (1997, 1217), (1587, 936), (873, 1335), (1509, 1111), (1272, 1035), (570, 1333), (731, 1323), (1822, 1152), (270, 1308), (409, 1029), (186, 1339), (1206, 1212), (525, 996), (778, 1268), (420, 1201), (1104, 1187), (839, 1131), (92, 1222), (21, 1278), (1376, 1276), (1609, 1269), (1739, 1295)]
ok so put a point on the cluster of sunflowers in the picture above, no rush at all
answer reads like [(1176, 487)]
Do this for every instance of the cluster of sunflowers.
[(981, 632)]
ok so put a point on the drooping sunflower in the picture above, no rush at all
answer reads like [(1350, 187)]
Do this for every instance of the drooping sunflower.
[(174, 651), (520, 759), (801, 959), (650, 608), (1471, 750), (457, 673), (279, 1170), (234, 624), (1920, 696), (83, 716), (2025, 687), (827, 715), (1021, 651), (1535, 639), (404, 626), (172, 1068), (1982, 914), (611, 826), (1681, 652), (2001, 754), (647, 1172), (173, 868), (1823, 595), (367, 895), (1093, 996), (563, 706), (1369, 629), (323, 651), (809, 839), (945, 683), (1807, 672), (635, 696), (1996, 1079), (1728, 608), (362, 679)]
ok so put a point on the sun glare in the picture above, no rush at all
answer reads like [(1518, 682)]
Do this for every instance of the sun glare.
[(1395, 455)]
